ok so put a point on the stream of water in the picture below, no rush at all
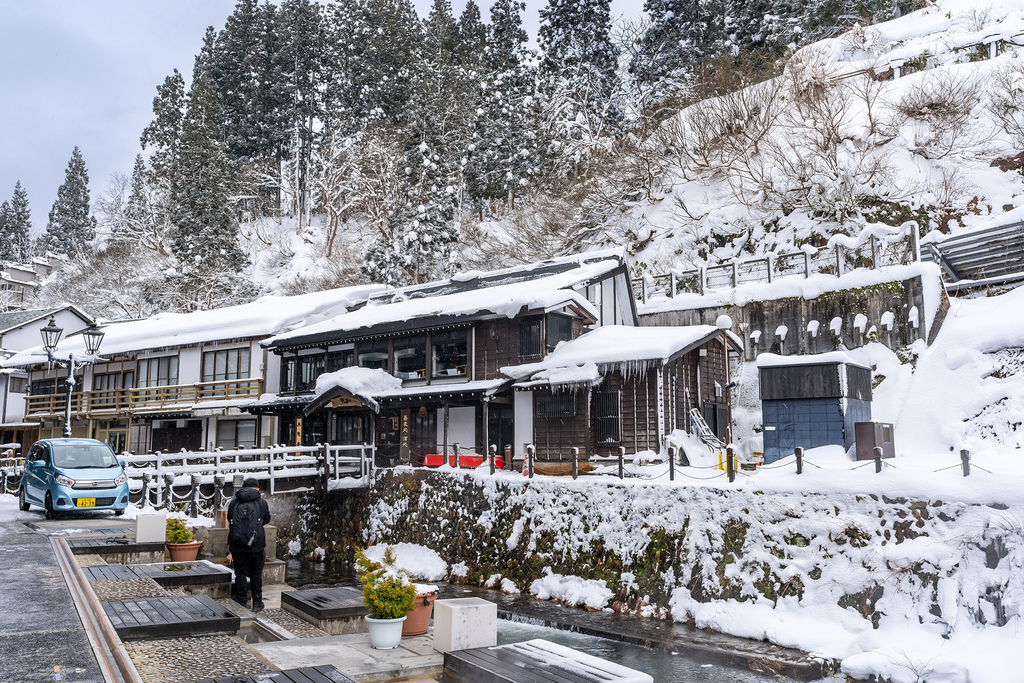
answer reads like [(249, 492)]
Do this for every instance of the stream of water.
[(664, 666)]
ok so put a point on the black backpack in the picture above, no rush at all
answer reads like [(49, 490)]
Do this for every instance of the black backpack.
[(246, 524)]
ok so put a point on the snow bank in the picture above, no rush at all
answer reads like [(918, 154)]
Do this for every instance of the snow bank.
[(421, 562)]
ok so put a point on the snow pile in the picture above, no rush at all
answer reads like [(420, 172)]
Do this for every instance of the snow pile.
[(421, 562), (967, 389), (364, 383), (571, 590)]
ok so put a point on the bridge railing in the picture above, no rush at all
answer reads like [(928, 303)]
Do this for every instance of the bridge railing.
[(303, 467)]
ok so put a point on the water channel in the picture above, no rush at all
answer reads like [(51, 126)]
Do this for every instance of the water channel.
[(529, 622)]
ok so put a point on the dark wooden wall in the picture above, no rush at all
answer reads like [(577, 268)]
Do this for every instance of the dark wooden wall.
[(493, 353)]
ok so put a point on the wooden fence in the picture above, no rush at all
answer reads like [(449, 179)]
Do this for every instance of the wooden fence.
[(873, 251)]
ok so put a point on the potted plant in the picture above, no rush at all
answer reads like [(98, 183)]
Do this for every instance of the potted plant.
[(388, 594), (418, 620), (180, 545)]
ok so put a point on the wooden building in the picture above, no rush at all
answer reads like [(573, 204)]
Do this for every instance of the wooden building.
[(492, 359), (811, 401)]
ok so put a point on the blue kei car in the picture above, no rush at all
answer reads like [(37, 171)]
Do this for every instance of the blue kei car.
[(73, 474)]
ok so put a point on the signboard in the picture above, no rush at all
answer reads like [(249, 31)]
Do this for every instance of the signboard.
[(298, 431), (404, 435), (346, 402)]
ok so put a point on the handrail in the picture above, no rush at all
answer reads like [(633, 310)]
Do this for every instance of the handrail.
[(143, 398), (322, 461)]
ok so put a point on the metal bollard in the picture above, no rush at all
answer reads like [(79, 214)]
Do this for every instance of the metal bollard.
[(193, 499), (508, 458), (236, 482), (455, 455), (147, 478), (622, 459), (730, 465), (168, 485), (575, 462), (965, 461), (878, 459), (671, 463), (799, 453), (494, 456), (529, 459)]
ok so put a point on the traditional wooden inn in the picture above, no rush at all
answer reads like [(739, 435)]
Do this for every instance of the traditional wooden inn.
[(173, 381), (546, 354)]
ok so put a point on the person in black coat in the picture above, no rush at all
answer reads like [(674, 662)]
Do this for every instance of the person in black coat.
[(246, 549)]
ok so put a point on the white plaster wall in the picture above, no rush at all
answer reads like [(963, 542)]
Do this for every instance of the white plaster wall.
[(523, 421), (461, 426), (189, 366), (27, 336)]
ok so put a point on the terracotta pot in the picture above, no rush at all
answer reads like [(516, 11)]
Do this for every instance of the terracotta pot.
[(183, 552), (418, 619)]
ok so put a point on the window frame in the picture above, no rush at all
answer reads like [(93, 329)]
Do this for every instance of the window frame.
[(610, 422), (528, 337), (449, 338), (225, 357)]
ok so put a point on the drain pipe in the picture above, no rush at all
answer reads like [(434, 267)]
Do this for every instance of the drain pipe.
[(114, 662)]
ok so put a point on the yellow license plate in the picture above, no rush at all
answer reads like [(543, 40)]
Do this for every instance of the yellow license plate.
[(85, 502)]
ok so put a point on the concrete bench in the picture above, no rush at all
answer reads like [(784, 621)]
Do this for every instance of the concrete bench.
[(464, 623)]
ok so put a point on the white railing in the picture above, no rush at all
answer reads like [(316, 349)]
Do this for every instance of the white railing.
[(317, 464)]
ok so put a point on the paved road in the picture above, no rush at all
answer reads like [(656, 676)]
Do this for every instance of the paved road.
[(39, 626)]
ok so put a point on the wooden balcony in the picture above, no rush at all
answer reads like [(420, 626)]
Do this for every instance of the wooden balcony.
[(114, 402)]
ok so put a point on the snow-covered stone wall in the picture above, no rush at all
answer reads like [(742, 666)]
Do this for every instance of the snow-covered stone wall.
[(819, 572)]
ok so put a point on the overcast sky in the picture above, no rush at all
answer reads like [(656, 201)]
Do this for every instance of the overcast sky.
[(84, 72)]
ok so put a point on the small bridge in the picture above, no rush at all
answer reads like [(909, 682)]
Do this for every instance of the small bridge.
[(197, 480)]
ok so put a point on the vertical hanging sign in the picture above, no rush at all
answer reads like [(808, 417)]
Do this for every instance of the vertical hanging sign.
[(404, 435)]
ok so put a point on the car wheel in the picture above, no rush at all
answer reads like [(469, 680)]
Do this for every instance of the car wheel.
[(50, 514), (22, 503)]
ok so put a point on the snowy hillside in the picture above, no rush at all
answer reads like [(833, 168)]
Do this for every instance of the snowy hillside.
[(915, 118)]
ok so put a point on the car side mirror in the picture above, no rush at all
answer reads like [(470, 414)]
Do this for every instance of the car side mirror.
[(122, 464), (38, 463)]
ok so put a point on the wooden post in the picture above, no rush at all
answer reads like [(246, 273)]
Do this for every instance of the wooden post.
[(455, 455), (730, 466), (672, 285), (768, 262), (799, 453), (494, 454), (529, 459), (671, 463), (220, 519), (622, 458), (735, 273), (878, 459), (508, 458), (965, 461), (193, 497), (839, 261), (168, 484), (874, 253), (324, 456), (807, 265), (444, 451), (575, 462), (147, 478), (701, 277)]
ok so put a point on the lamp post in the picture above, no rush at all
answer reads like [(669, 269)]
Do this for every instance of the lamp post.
[(51, 335)]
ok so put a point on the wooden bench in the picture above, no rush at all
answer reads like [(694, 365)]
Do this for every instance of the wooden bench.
[(175, 616), (313, 674), (335, 611), (117, 549), (535, 661)]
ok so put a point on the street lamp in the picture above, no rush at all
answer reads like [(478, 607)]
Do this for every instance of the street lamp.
[(51, 335)]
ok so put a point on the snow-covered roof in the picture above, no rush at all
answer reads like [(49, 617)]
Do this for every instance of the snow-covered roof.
[(263, 317), (372, 385), (15, 319), (500, 293), (583, 360), (773, 360)]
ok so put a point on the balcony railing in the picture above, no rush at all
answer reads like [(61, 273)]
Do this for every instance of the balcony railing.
[(143, 399)]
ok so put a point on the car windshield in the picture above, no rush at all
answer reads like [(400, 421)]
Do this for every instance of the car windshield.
[(83, 456)]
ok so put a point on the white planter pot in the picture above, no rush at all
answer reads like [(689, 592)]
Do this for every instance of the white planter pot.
[(385, 634)]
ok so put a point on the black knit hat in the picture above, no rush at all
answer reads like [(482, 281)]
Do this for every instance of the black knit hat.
[(250, 483)]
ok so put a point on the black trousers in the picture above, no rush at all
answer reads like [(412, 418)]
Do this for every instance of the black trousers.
[(248, 575)]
